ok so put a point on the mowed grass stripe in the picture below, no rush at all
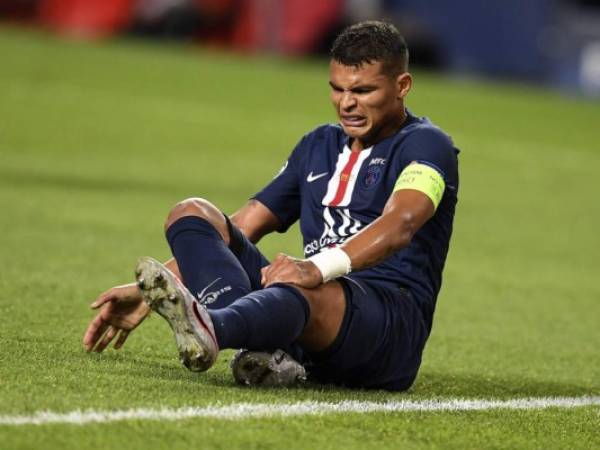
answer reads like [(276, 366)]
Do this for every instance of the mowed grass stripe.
[(241, 411)]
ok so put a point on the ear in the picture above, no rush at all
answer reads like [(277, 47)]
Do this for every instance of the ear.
[(404, 84)]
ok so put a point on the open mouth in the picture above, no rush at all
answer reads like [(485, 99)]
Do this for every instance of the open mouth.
[(353, 120)]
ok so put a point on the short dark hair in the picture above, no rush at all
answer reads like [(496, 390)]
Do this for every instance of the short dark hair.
[(370, 41)]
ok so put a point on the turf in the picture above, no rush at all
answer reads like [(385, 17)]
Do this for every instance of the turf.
[(98, 141)]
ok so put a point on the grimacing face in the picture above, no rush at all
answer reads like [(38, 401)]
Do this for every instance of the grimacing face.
[(369, 103)]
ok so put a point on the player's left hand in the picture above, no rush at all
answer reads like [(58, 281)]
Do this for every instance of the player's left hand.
[(285, 269)]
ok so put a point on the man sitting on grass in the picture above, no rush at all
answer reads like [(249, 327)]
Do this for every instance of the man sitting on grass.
[(375, 196)]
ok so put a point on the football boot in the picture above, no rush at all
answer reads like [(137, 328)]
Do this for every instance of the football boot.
[(189, 320), (277, 369)]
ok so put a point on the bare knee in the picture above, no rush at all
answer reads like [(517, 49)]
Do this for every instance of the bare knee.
[(202, 208)]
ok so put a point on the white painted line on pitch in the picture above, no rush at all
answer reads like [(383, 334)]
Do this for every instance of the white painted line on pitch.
[(241, 411)]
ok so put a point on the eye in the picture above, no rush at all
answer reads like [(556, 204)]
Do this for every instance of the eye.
[(364, 90)]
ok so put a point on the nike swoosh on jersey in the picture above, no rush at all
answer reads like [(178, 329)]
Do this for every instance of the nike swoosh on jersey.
[(310, 178)]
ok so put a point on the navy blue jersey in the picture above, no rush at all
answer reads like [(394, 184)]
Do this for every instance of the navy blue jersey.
[(336, 192)]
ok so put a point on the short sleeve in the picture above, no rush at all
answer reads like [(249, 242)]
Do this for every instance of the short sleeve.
[(432, 147), (282, 194)]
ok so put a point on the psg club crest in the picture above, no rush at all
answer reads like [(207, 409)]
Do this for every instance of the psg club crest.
[(372, 177)]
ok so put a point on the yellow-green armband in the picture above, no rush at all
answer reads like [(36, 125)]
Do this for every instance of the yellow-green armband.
[(424, 178)]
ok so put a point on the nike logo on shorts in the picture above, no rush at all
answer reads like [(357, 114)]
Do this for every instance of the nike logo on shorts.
[(310, 178)]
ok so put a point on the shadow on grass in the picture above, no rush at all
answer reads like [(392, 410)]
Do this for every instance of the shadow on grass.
[(428, 384)]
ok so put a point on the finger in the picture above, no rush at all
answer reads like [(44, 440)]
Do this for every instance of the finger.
[(98, 342), (280, 257), (263, 274), (276, 275), (103, 298), (287, 272), (111, 332), (121, 339), (271, 274), (106, 339), (95, 330), (270, 269), (92, 330), (280, 279)]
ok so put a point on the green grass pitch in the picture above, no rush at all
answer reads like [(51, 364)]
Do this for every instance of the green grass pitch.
[(97, 142)]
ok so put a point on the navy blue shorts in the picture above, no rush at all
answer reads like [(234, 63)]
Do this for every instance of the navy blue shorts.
[(381, 338)]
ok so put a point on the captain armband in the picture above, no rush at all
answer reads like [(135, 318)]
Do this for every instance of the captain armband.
[(424, 178), (332, 263)]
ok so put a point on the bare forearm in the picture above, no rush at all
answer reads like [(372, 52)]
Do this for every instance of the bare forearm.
[(255, 220), (378, 241), (404, 214)]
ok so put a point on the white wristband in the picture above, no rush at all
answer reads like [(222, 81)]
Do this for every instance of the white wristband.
[(332, 263)]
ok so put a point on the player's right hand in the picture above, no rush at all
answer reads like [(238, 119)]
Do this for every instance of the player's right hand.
[(121, 310)]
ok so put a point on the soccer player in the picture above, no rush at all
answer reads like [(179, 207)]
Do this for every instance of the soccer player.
[(375, 196)]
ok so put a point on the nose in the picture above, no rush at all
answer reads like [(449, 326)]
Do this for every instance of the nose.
[(348, 100)]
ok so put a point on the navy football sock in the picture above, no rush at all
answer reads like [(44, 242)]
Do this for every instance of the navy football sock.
[(263, 320), (209, 269)]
